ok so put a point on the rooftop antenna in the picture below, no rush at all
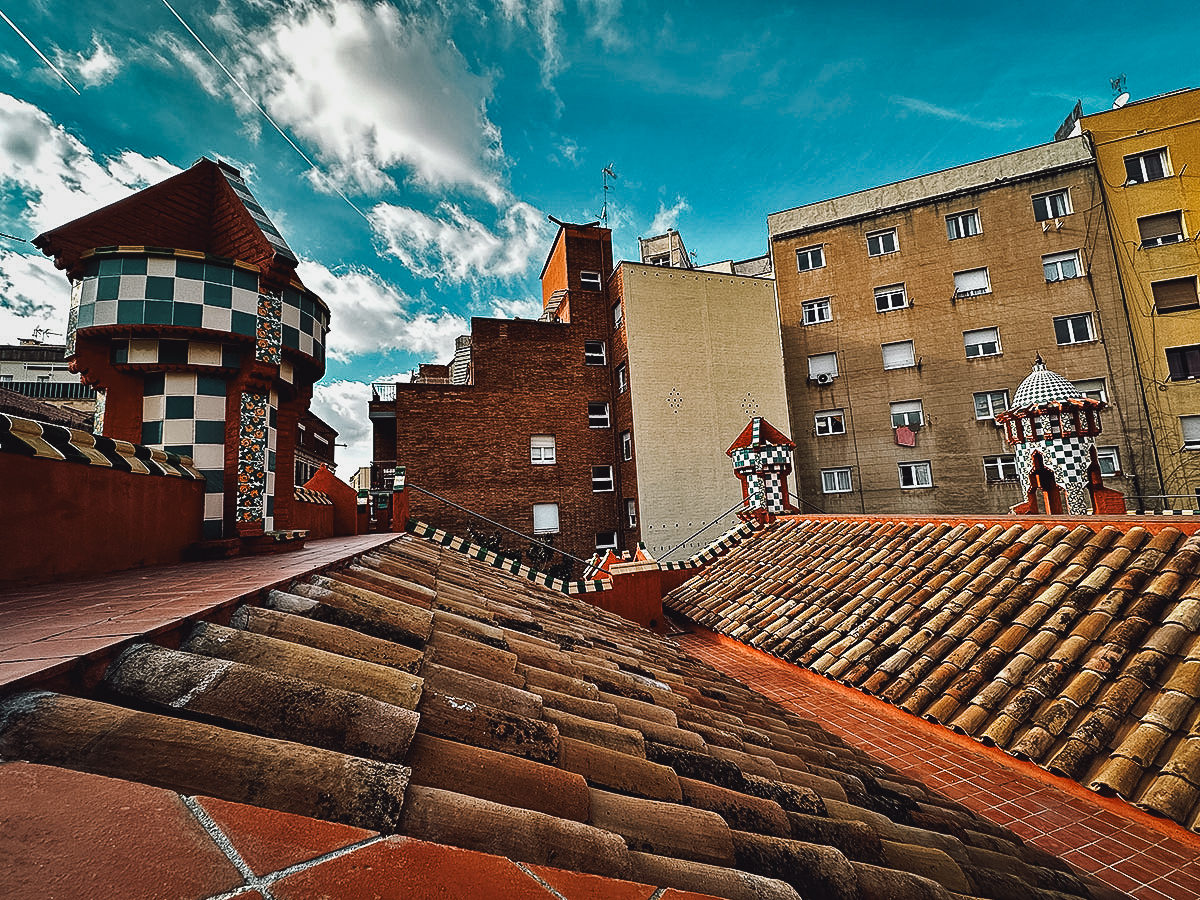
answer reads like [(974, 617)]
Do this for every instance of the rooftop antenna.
[(1121, 96), (606, 174)]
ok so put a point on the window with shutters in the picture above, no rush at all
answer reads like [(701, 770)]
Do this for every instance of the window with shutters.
[(898, 355), (907, 412), (971, 283), (1092, 387), (982, 342), (1184, 362), (541, 449), (1174, 294), (916, 475), (963, 224), (1076, 329), (1051, 205), (835, 481), (816, 311), (1061, 266), (545, 518), (822, 364), (889, 297), (1149, 166), (880, 243), (1161, 228), (830, 421)]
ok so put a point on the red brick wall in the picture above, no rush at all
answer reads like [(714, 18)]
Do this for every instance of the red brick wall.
[(70, 521), (315, 518)]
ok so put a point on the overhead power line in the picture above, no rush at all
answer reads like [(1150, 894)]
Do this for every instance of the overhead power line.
[(33, 47)]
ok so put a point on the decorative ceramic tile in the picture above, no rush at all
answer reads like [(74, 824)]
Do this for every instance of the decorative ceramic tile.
[(252, 458)]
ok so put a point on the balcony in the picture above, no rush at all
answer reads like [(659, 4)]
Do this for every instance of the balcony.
[(51, 390), (383, 392)]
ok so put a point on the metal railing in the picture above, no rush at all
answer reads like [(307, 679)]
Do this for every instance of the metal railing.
[(383, 392), (51, 390)]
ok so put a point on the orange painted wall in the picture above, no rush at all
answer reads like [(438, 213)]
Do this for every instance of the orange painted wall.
[(315, 518), (67, 520)]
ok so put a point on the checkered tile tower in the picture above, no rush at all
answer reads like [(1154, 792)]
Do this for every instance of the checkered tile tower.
[(188, 318), (762, 459), (1051, 415)]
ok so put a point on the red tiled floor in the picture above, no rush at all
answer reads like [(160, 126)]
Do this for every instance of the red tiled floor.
[(405, 869), (268, 841), (42, 628), (1150, 858), (69, 834)]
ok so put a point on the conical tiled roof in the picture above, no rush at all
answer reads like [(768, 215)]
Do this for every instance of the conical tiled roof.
[(1043, 386)]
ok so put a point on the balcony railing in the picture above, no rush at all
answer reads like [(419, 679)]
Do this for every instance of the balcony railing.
[(51, 390), (383, 392)]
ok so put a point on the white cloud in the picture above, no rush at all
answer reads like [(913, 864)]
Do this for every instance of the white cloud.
[(375, 90), (33, 294), (56, 176), (603, 16), (923, 107), (99, 68), (668, 218), (371, 316), (50, 178), (343, 404), (507, 308), (452, 246)]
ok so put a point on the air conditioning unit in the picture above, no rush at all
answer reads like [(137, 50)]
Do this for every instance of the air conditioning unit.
[(824, 378)]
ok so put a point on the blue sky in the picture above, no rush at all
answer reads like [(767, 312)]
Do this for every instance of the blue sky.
[(423, 144)]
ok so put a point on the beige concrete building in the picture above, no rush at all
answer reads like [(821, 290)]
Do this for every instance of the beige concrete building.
[(700, 354), (911, 312), (1148, 154)]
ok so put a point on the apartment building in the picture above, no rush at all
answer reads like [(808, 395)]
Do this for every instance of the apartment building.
[(1148, 156), (911, 312)]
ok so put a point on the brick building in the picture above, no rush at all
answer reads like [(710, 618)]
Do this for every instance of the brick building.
[(601, 424), (911, 312)]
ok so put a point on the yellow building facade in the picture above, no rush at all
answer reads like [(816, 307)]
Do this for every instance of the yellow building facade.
[(1148, 156)]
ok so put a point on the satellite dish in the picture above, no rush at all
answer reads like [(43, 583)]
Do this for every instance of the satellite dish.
[(1121, 99)]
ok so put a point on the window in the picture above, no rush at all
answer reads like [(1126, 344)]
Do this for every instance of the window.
[(816, 311), (545, 518), (831, 421), (663, 260), (602, 479), (880, 243), (1149, 166), (1051, 205), (963, 224), (982, 342), (1093, 387), (606, 540), (999, 468), (916, 475), (823, 364), (810, 258), (622, 378), (626, 445), (631, 513), (597, 415), (889, 297), (835, 481), (908, 412), (971, 282), (590, 281), (1110, 461), (594, 353), (6, 377), (988, 403), (1190, 426), (618, 315), (1184, 362), (1076, 329), (1061, 266), (1161, 228), (541, 449), (1174, 294), (898, 355)]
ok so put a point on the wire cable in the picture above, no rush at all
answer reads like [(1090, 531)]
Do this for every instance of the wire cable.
[(53, 67)]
